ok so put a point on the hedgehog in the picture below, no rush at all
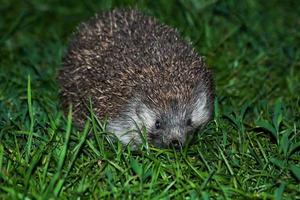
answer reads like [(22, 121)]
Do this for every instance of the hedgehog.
[(138, 73)]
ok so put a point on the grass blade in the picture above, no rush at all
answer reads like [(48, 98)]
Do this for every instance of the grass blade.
[(30, 110), (296, 171), (62, 157), (77, 148)]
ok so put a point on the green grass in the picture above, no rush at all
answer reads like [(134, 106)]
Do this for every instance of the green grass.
[(251, 150)]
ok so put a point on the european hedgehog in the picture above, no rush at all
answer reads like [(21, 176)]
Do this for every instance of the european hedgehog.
[(138, 73)]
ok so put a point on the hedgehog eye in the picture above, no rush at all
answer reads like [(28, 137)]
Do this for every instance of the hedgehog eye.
[(157, 124), (189, 122)]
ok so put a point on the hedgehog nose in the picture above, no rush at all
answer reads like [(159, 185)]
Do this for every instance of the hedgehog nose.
[(176, 144)]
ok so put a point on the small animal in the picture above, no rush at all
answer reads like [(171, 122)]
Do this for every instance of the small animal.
[(138, 73)]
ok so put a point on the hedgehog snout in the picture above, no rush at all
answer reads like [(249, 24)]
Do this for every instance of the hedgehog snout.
[(174, 138), (176, 144)]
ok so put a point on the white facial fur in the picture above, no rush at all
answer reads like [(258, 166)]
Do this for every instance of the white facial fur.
[(127, 127), (200, 113)]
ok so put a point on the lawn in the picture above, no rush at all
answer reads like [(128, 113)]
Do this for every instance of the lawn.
[(251, 150)]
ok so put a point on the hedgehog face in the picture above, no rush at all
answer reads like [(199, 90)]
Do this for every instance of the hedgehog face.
[(172, 127), (170, 130)]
